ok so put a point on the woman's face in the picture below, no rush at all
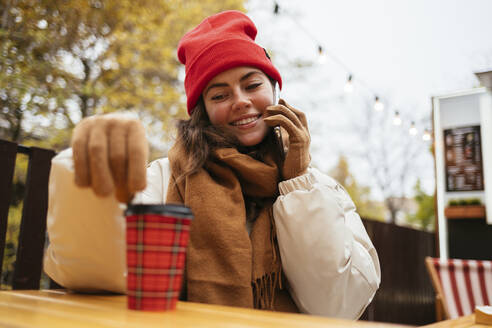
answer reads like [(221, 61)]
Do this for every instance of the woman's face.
[(236, 100)]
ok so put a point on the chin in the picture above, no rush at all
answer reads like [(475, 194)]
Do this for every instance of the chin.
[(249, 141)]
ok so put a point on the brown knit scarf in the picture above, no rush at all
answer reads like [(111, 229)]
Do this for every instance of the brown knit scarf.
[(224, 264)]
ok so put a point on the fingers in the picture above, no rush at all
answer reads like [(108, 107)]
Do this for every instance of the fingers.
[(297, 117), (101, 177), (123, 195), (298, 113), (297, 132), (138, 151), (110, 153), (117, 131), (283, 110), (285, 123), (118, 152), (80, 140)]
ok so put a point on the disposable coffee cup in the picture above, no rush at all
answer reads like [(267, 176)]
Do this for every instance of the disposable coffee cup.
[(156, 240)]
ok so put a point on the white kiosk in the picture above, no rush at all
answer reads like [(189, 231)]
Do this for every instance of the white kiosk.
[(463, 162)]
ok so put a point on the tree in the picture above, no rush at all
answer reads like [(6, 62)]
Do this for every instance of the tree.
[(65, 60), (359, 194), (425, 215), (390, 153), (26, 66)]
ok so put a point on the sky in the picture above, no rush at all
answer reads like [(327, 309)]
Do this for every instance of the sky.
[(403, 51)]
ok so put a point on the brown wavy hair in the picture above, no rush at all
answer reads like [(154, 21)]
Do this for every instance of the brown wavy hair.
[(199, 138)]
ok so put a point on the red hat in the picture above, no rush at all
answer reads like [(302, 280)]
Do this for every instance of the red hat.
[(220, 42)]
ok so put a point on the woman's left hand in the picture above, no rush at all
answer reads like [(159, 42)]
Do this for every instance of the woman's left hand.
[(294, 122)]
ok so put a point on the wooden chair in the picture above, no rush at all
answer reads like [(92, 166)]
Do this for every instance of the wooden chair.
[(460, 285), (28, 265)]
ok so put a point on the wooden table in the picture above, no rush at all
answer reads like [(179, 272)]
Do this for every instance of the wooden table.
[(55, 308), (461, 322)]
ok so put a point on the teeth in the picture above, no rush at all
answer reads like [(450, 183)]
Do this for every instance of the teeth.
[(245, 121)]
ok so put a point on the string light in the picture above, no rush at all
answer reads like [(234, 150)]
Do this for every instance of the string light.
[(276, 9), (378, 105), (397, 119), (321, 55), (426, 136), (349, 86), (413, 130)]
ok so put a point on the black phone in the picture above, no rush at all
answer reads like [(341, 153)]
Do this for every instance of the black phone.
[(277, 131)]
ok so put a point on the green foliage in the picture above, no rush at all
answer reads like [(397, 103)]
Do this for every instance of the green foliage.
[(11, 242), (453, 202), (14, 220), (64, 60), (465, 202), (425, 215), (366, 207)]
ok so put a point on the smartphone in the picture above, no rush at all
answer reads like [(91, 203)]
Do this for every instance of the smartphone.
[(277, 94), (276, 129)]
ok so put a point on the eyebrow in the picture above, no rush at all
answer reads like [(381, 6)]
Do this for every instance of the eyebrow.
[(244, 77)]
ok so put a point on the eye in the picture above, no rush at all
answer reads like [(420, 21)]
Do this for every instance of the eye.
[(219, 96), (253, 86)]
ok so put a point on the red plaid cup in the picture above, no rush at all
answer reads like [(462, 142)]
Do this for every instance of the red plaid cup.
[(156, 240)]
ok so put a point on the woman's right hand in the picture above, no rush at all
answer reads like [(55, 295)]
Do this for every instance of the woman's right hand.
[(110, 155)]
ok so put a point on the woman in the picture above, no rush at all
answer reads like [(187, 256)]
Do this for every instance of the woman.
[(269, 232)]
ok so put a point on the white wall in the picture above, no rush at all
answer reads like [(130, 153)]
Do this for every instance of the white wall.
[(458, 111), (486, 130), (467, 108)]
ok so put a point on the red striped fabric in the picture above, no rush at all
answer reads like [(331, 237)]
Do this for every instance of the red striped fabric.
[(454, 287), (469, 291), (465, 284), (483, 287)]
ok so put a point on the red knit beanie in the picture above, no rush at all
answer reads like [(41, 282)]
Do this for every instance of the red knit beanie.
[(220, 42)]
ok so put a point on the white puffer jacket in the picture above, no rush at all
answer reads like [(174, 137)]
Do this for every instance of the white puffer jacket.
[(327, 256)]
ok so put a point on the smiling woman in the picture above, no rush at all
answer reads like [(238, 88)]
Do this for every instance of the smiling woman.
[(269, 232)]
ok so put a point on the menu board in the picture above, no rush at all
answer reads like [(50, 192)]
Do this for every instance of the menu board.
[(463, 153)]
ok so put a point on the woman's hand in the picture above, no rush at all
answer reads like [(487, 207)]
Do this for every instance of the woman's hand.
[(294, 121), (110, 155)]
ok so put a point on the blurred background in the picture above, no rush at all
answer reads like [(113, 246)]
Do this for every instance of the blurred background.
[(364, 73)]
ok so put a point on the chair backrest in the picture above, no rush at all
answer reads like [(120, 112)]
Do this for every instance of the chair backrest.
[(461, 284), (29, 258)]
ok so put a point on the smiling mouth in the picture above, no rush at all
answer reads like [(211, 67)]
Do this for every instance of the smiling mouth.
[(245, 121)]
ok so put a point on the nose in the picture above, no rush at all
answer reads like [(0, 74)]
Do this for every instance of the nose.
[(241, 100)]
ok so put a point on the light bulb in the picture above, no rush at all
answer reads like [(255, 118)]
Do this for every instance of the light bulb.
[(397, 119), (321, 55), (413, 130), (349, 87), (426, 136), (378, 105)]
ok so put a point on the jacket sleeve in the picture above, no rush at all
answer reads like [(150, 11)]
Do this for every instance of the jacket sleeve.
[(327, 256), (86, 250)]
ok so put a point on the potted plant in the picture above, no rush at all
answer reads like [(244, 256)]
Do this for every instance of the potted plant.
[(470, 208)]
